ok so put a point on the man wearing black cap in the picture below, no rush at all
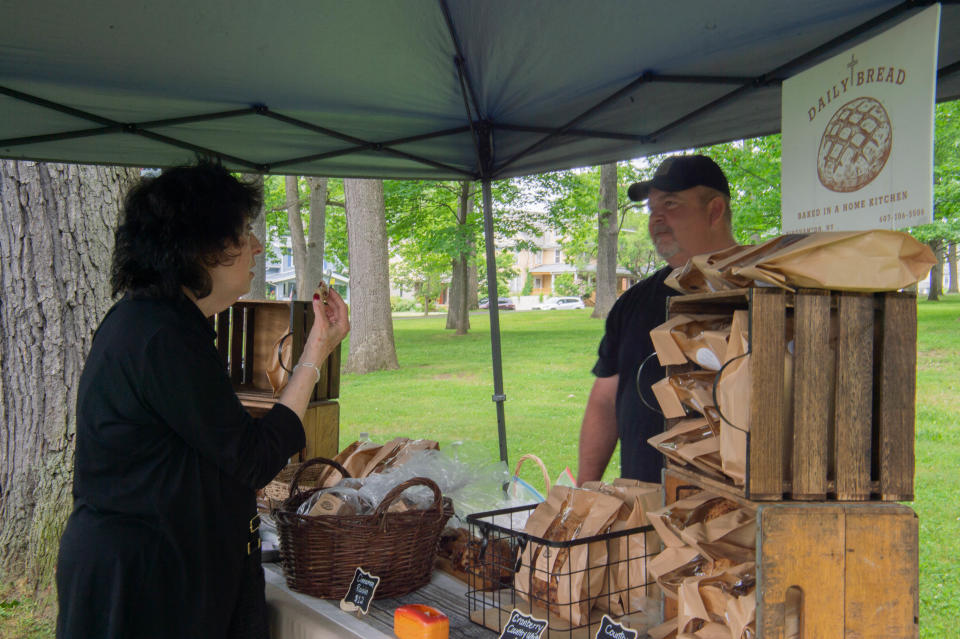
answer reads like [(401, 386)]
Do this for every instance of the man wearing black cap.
[(689, 203)]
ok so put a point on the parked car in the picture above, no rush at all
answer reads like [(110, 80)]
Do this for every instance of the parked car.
[(504, 304), (560, 303)]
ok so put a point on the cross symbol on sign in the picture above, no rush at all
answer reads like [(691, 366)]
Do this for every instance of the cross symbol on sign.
[(853, 62)]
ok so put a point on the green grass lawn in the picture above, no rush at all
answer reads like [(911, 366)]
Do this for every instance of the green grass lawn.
[(444, 386)]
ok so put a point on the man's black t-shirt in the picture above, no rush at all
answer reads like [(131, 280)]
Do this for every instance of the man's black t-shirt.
[(624, 347)]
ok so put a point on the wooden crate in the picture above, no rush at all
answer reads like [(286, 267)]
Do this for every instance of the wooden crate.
[(850, 569), (247, 333), (848, 431), (321, 424)]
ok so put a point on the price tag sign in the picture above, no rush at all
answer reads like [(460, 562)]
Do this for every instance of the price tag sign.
[(521, 626), (361, 591), (610, 630)]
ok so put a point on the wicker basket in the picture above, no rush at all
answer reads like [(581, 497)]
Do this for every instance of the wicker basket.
[(273, 494), (320, 554)]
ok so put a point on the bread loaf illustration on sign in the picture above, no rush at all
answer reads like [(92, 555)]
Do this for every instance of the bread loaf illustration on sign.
[(855, 145)]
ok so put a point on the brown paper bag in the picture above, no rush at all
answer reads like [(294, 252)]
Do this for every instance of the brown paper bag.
[(675, 564), (383, 458), (354, 463), (276, 371), (695, 388), (667, 398), (329, 470), (867, 261), (565, 579), (672, 520), (701, 339), (625, 590), (732, 535), (686, 433), (733, 399)]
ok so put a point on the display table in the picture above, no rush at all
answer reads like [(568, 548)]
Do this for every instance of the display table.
[(297, 616)]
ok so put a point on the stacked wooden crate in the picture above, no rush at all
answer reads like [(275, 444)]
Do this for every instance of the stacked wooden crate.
[(247, 335), (835, 430)]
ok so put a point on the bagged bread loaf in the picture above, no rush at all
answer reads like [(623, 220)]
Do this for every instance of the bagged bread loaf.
[(567, 580)]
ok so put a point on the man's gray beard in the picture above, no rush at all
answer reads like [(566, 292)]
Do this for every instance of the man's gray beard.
[(668, 251)]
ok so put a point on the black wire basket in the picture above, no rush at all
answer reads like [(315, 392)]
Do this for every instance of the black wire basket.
[(511, 570)]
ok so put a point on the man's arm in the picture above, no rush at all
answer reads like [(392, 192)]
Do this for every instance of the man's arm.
[(598, 433)]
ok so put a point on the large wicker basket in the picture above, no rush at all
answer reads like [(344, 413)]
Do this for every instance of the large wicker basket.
[(320, 554)]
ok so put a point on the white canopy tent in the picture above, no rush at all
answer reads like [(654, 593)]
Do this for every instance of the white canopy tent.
[(432, 89)]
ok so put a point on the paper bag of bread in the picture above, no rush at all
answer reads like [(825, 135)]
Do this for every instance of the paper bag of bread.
[(733, 400), (354, 462), (728, 598), (702, 507), (690, 441), (703, 339), (567, 580), (677, 563), (626, 588), (394, 453), (866, 261), (694, 388), (692, 277)]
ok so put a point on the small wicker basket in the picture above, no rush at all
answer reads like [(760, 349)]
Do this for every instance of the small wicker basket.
[(320, 554)]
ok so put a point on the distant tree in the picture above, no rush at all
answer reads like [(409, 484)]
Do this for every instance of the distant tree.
[(506, 271), (258, 285), (371, 338), (563, 284), (608, 230)]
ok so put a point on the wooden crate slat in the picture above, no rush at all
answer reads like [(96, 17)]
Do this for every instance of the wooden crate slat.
[(812, 394), (898, 377), (767, 418), (800, 547), (223, 341), (854, 397), (236, 345), (881, 572), (250, 330)]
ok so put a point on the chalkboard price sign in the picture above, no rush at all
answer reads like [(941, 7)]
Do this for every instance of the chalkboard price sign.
[(521, 626), (610, 630), (361, 591)]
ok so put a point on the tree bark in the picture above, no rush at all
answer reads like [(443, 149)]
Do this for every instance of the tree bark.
[(56, 237), (936, 273), (371, 333), (952, 263), (298, 241), (607, 231), (317, 234), (458, 317), (258, 286)]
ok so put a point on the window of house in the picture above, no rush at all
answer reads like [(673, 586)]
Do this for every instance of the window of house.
[(537, 282), (556, 256), (287, 260)]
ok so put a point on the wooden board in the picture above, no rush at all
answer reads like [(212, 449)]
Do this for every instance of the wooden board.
[(855, 565), (321, 424), (767, 451), (854, 400)]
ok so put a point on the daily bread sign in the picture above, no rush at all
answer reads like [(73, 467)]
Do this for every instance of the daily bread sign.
[(858, 134)]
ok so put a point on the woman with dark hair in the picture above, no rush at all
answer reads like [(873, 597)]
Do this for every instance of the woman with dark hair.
[(163, 538)]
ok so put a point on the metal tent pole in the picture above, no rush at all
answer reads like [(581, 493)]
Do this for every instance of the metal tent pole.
[(494, 311)]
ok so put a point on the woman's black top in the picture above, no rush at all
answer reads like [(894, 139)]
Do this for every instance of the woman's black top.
[(167, 466)]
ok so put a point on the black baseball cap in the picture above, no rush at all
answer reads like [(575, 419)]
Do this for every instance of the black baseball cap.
[(679, 173)]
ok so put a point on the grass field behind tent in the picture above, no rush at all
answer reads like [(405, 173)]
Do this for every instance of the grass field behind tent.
[(443, 391)]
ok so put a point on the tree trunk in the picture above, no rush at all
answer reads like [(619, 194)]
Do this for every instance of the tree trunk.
[(56, 237), (607, 231), (371, 334), (258, 286), (936, 273), (473, 279), (298, 241), (952, 262), (317, 236), (458, 317)]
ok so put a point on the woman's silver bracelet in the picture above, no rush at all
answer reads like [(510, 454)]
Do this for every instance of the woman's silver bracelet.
[(309, 365)]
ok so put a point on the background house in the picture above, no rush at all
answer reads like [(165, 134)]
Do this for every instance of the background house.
[(282, 278), (547, 260)]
